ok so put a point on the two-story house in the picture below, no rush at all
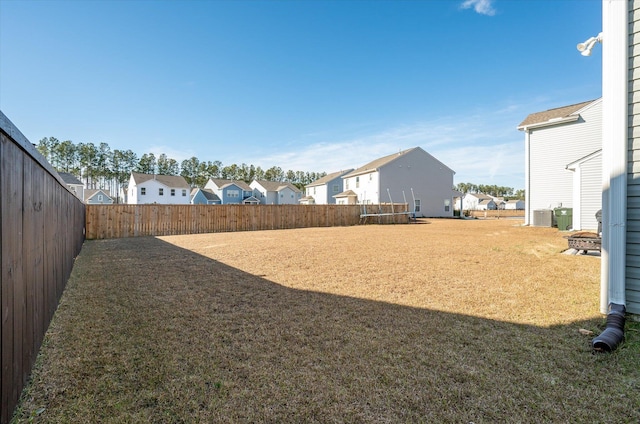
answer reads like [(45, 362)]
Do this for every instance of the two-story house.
[(230, 191), (160, 189), (412, 175), (323, 190)]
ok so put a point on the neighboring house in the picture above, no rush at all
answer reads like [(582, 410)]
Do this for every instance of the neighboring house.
[(323, 190), (478, 202), (74, 184), (620, 263), (97, 197), (229, 191), (514, 204), (161, 189), (411, 175), (204, 196), (275, 193), (563, 163), (348, 197)]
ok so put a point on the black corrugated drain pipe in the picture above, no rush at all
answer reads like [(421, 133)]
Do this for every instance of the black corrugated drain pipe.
[(613, 333)]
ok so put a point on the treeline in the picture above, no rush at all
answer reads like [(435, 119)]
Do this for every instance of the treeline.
[(491, 190), (99, 166)]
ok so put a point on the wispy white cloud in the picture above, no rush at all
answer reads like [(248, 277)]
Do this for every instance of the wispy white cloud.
[(482, 148), (483, 7)]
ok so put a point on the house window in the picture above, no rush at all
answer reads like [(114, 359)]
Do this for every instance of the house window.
[(417, 205), (314, 190), (233, 193), (173, 191), (143, 191), (370, 177), (161, 191), (346, 184), (99, 197), (335, 188), (357, 182), (281, 195), (184, 192)]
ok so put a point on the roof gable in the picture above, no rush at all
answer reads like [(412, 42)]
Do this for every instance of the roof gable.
[(91, 192)]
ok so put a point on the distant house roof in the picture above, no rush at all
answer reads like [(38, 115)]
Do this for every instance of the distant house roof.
[(480, 196), (167, 180), (221, 183), (375, 165), (69, 178), (348, 193), (207, 193), (90, 192), (328, 178), (277, 185), (485, 201), (552, 116)]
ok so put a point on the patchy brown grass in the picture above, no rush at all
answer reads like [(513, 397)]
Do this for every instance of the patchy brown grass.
[(446, 321)]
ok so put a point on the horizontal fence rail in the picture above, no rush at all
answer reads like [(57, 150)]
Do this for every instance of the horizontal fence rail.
[(117, 221)]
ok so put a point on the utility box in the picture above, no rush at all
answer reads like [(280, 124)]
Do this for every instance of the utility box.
[(564, 218), (543, 218)]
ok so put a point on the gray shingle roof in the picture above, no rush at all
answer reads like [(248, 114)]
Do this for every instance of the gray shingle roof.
[(376, 164), (69, 178), (348, 193), (175, 181), (552, 114), (277, 185), (220, 183), (329, 177)]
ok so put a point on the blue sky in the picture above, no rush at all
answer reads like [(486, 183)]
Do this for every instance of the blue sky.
[(304, 85)]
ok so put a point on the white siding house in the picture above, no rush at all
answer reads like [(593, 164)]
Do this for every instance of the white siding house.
[(160, 189), (321, 191), (562, 161), (478, 202), (413, 174), (514, 204)]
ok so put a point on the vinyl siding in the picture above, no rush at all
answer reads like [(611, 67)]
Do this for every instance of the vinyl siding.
[(591, 192), (552, 149), (431, 181), (632, 270)]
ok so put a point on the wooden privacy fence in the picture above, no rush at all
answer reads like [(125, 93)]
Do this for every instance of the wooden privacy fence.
[(41, 229), (116, 221)]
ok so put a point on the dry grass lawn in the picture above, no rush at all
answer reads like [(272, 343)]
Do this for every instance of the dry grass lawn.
[(443, 321)]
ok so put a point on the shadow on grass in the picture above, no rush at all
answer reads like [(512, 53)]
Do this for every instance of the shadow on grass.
[(149, 332)]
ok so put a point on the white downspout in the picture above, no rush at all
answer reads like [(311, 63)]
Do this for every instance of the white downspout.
[(527, 181), (615, 80)]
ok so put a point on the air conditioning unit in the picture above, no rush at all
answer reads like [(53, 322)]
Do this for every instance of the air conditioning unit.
[(543, 218)]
